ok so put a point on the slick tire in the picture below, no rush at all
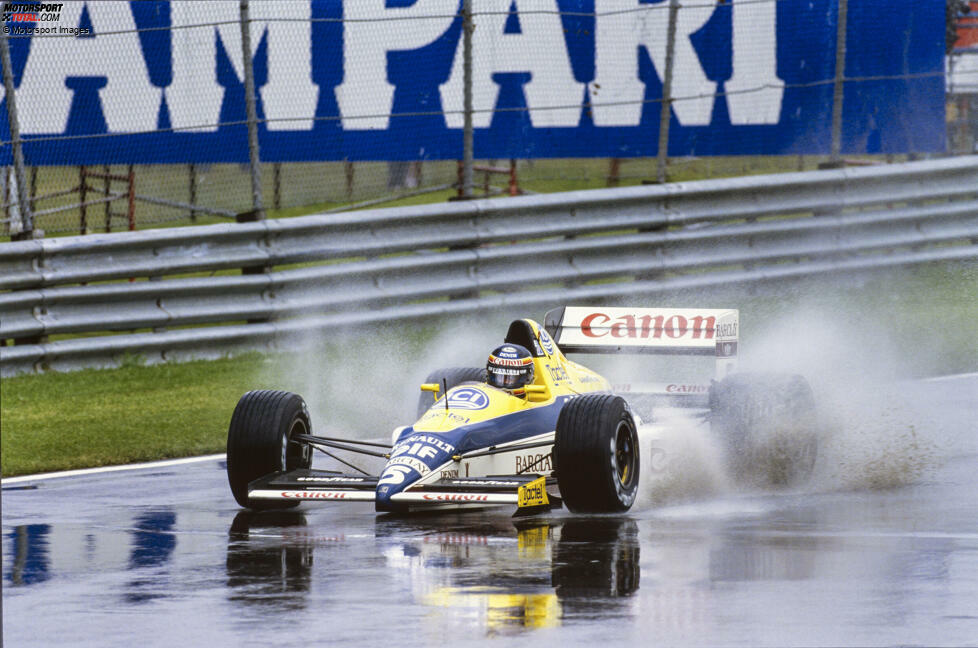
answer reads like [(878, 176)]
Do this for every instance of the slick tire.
[(768, 426), (453, 376), (260, 442), (596, 454)]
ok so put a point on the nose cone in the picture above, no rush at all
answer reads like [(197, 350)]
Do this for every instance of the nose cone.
[(413, 457)]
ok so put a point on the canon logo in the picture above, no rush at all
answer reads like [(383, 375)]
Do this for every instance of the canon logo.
[(687, 389), (451, 497), (313, 495), (647, 327)]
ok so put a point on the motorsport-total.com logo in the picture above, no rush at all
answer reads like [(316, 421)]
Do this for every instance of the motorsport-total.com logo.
[(28, 18)]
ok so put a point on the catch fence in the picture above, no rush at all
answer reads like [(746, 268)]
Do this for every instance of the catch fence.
[(236, 110)]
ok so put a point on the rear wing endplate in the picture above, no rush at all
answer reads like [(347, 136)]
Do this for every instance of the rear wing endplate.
[(676, 331)]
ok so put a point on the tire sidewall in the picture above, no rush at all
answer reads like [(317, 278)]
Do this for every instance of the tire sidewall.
[(585, 454), (625, 492), (258, 441)]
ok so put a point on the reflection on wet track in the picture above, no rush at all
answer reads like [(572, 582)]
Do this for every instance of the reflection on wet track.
[(165, 558)]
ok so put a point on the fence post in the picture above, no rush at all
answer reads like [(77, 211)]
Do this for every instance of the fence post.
[(258, 208), (33, 187), (467, 140), (107, 186), (193, 191), (26, 215), (838, 90), (665, 107), (277, 185), (131, 204), (82, 200)]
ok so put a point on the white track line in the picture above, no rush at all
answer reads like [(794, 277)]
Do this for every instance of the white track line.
[(952, 377), (105, 469)]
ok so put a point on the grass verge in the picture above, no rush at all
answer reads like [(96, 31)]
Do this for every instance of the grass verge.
[(135, 413)]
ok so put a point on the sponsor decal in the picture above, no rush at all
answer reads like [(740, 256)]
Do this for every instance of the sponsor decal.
[(484, 482), (455, 497), (537, 349), (438, 411), (448, 474), (425, 438), (649, 327), (535, 462), (510, 362), (533, 494), (314, 494), (468, 398), (687, 389), (410, 462), (726, 349), (330, 479), (557, 373), (546, 342), (726, 330)]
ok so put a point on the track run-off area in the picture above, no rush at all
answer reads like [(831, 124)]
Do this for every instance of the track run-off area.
[(880, 547)]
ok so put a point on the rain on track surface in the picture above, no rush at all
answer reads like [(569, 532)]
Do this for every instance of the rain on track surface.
[(162, 556)]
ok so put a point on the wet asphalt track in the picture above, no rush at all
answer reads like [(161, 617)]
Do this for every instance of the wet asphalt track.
[(163, 557)]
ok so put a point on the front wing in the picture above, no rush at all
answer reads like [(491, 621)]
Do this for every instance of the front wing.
[(528, 492)]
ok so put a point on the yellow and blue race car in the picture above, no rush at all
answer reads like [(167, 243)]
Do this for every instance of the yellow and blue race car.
[(533, 430)]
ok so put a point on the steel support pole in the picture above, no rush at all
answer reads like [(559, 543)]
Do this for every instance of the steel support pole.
[(467, 141), (23, 199), (258, 208), (838, 90), (665, 107)]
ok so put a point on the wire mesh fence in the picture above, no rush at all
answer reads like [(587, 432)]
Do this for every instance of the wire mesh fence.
[(136, 114)]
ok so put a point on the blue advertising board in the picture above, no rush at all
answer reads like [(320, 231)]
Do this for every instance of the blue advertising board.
[(161, 82)]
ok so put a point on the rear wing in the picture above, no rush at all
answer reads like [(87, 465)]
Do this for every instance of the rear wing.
[(675, 331)]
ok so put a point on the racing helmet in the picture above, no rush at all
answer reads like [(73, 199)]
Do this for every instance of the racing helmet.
[(510, 366)]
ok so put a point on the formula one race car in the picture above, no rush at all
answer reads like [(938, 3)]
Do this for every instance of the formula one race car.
[(533, 429)]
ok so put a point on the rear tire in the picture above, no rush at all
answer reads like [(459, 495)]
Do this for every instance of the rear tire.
[(768, 426), (453, 376), (260, 442), (596, 454)]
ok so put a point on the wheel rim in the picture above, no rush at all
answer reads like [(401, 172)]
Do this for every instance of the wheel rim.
[(292, 450), (624, 454)]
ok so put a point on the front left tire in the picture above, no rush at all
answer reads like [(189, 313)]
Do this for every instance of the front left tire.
[(260, 442)]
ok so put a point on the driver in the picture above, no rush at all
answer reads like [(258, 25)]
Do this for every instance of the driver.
[(510, 367)]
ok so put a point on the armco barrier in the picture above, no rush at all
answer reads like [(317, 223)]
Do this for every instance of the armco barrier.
[(431, 260)]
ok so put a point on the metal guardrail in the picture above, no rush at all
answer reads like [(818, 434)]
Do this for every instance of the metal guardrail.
[(435, 260)]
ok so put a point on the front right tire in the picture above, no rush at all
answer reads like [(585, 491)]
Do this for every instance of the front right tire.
[(596, 454)]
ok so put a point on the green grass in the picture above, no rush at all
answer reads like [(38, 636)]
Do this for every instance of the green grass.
[(135, 413), (912, 322), (308, 188)]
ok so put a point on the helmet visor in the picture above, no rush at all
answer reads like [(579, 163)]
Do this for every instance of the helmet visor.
[(507, 378)]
